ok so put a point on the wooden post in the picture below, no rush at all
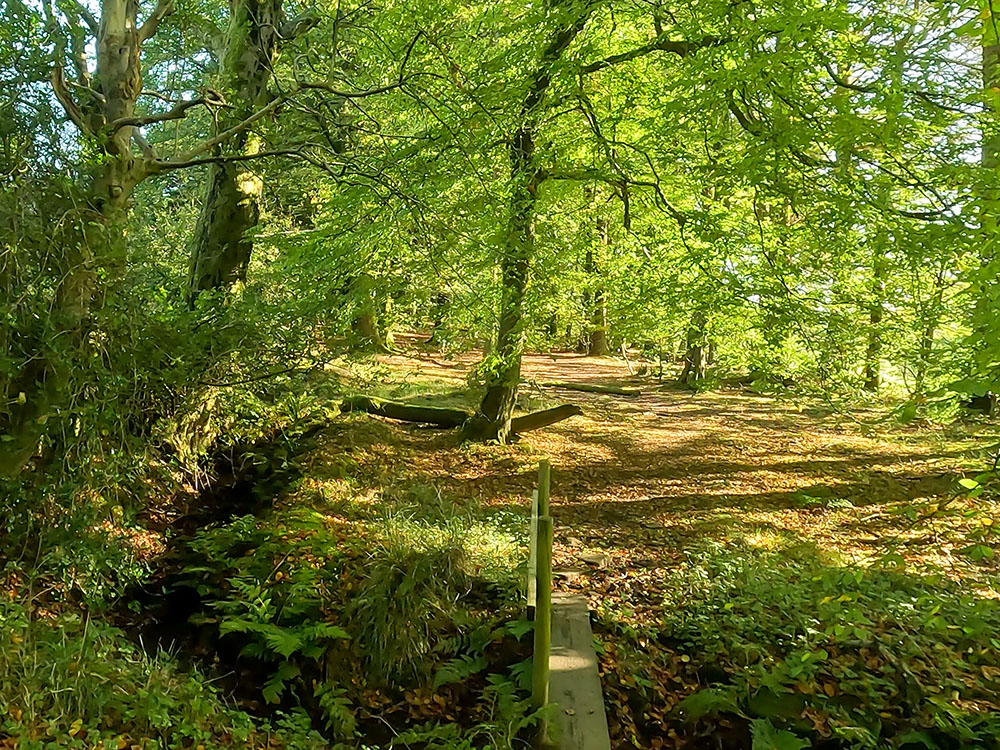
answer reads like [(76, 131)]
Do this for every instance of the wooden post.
[(544, 482), (533, 556), (543, 601), (543, 624)]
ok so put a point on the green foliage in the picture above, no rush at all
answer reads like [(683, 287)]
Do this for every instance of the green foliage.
[(874, 655), (767, 737), (72, 681), (249, 590), (420, 586), (510, 716), (413, 598)]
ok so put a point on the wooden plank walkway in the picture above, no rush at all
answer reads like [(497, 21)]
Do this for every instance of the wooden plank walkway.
[(574, 682)]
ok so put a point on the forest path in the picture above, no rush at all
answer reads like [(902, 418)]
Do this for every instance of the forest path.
[(637, 480)]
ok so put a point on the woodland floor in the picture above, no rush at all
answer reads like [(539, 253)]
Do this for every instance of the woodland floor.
[(637, 481), (640, 478)]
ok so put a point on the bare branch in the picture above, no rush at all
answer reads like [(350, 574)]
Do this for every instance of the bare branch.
[(229, 133), (162, 165), (148, 152), (177, 112), (70, 106), (398, 83), (299, 25), (87, 16), (660, 44), (163, 9)]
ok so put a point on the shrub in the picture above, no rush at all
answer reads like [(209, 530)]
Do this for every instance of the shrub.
[(865, 657), (70, 681)]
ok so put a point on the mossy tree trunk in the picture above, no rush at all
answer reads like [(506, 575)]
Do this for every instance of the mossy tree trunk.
[(221, 246), (492, 421), (90, 239)]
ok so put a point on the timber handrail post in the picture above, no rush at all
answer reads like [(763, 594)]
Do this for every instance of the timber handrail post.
[(543, 601)]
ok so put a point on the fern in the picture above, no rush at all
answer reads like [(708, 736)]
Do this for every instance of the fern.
[(458, 669)]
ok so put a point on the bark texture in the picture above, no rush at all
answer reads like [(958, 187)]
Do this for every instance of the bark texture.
[(221, 246), (696, 353), (597, 345), (492, 422), (89, 243), (876, 311)]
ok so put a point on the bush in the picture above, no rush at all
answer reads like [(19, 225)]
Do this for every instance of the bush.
[(863, 657), (70, 681)]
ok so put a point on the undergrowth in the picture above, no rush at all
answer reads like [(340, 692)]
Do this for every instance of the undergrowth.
[(406, 610), (800, 654), (67, 680)]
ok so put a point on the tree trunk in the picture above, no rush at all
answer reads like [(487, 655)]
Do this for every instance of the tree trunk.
[(695, 356), (497, 407), (367, 333), (492, 422), (544, 418), (221, 247), (437, 415), (873, 352), (991, 133), (91, 236), (932, 316), (598, 338), (986, 350), (616, 390), (441, 302)]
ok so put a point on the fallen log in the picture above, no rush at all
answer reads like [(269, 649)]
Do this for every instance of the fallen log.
[(592, 388), (450, 417), (436, 415), (539, 419)]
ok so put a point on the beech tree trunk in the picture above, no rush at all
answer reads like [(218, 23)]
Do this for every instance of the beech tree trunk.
[(598, 335), (985, 314), (441, 302), (368, 334), (91, 236), (492, 421), (932, 318), (221, 246), (991, 133), (696, 354), (873, 352), (497, 407)]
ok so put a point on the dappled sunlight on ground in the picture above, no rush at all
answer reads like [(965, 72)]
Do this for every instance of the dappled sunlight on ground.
[(640, 479)]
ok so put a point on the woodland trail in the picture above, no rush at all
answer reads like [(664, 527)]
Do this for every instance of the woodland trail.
[(638, 480)]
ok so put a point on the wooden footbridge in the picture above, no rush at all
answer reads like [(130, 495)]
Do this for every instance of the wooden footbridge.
[(564, 673)]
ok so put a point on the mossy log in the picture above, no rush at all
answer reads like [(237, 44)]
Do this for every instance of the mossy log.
[(436, 415), (452, 417), (593, 388)]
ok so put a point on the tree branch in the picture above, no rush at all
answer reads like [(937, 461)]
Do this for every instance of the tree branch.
[(660, 44), (70, 106), (163, 165), (299, 25), (87, 16), (398, 83), (227, 134), (178, 111), (163, 9)]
